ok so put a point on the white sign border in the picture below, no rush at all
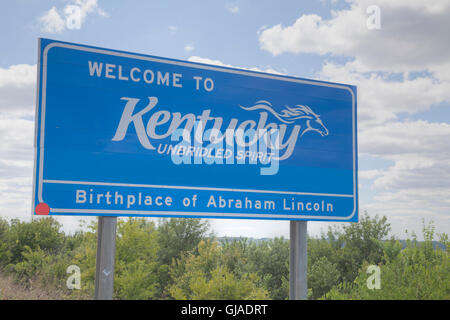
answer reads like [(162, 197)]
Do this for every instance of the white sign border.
[(171, 213)]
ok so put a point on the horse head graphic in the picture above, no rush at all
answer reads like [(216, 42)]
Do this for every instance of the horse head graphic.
[(292, 115)]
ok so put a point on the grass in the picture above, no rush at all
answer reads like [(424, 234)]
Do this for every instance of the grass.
[(12, 290)]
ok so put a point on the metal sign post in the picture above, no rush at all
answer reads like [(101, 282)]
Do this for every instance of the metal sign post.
[(298, 288), (106, 252)]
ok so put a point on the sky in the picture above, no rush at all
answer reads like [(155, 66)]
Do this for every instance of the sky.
[(395, 52)]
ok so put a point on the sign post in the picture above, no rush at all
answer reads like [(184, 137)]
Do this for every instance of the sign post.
[(298, 288), (106, 251)]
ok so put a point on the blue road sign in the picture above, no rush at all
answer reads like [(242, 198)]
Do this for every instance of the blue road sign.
[(127, 134)]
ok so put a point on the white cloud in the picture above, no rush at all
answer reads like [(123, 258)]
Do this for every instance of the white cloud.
[(400, 70), (52, 22), (15, 197), (381, 98), (17, 107), (88, 7), (189, 47), (17, 91), (261, 29), (406, 209), (418, 184), (16, 139), (369, 174), (16, 166), (395, 139), (411, 36), (421, 151), (209, 61), (250, 228), (102, 13), (18, 75), (173, 29), (220, 63), (233, 8), (424, 173), (72, 16)]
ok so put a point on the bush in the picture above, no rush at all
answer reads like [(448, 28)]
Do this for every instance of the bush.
[(270, 260), (203, 276), (322, 276), (177, 260), (416, 272), (43, 234)]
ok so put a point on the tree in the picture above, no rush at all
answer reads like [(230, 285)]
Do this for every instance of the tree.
[(175, 237), (322, 276), (270, 259), (43, 233), (417, 272), (84, 256), (5, 253), (136, 259), (178, 235), (204, 276), (358, 243)]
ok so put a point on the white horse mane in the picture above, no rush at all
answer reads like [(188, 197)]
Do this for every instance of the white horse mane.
[(287, 115)]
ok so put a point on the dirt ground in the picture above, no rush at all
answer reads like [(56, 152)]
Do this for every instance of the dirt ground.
[(11, 290)]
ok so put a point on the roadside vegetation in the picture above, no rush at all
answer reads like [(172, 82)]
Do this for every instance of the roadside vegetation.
[(181, 259)]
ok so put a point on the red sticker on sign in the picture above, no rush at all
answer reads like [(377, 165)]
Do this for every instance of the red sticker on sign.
[(42, 209)]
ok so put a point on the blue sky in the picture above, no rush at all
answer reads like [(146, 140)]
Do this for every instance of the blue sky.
[(402, 71), (164, 28)]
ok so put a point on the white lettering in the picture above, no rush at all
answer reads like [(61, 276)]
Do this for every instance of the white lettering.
[(208, 84), (176, 77), (109, 69), (80, 196), (128, 117), (163, 80), (156, 120), (146, 72), (95, 68), (197, 80), (265, 141), (132, 74), (121, 77)]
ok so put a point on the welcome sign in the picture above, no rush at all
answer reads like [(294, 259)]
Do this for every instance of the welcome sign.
[(126, 134)]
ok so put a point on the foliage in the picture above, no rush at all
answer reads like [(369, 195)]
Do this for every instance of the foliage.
[(322, 276), (175, 237), (358, 243), (84, 256), (136, 255), (270, 259), (178, 235), (417, 272), (203, 276), (44, 234), (179, 259), (5, 253)]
